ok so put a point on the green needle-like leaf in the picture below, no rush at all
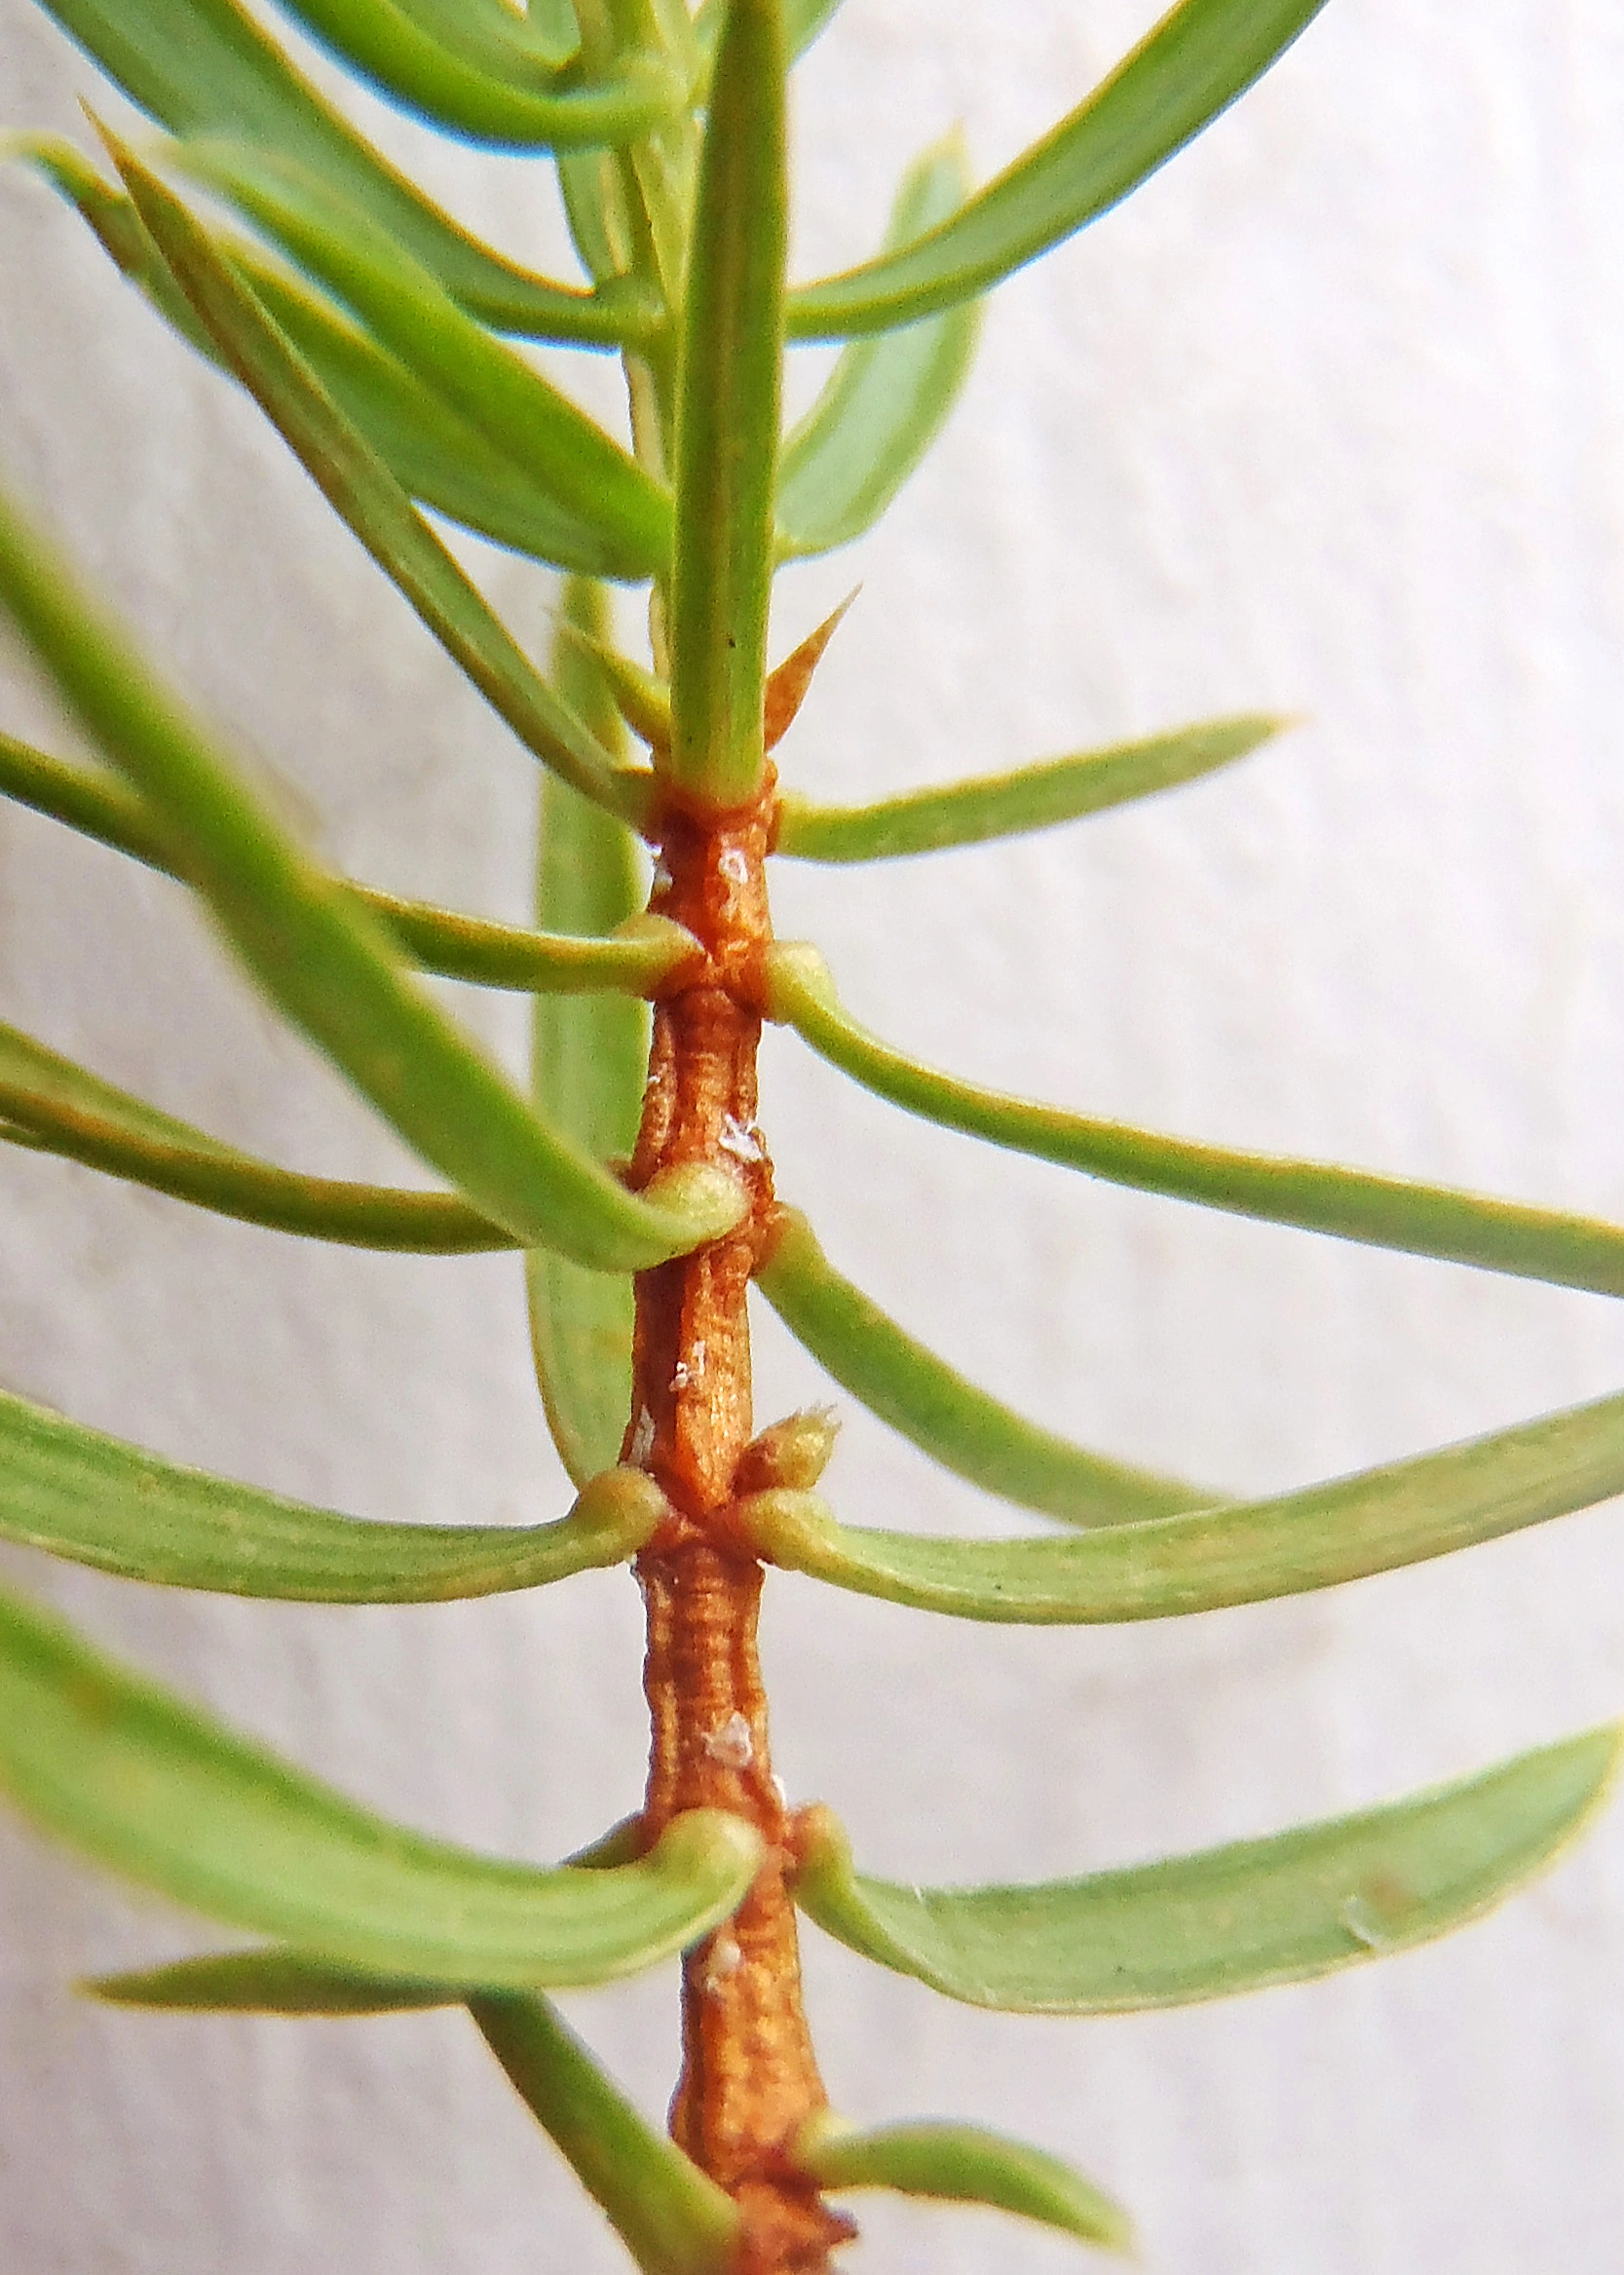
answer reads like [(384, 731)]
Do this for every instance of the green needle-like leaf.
[(439, 457), (490, 384), (629, 213), (586, 1073), (77, 1494), (803, 19), (368, 499), (727, 418), (326, 964), (1352, 1204), (671, 2216), (1191, 66), (93, 804), (52, 1104), (37, 1078), (528, 48), (115, 223), (659, 171), (383, 1217), (887, 401), (272, 1979), (944, 1415), (641, 697), (637, 960), (160, 1793), (1231, 1919), (1240, 1552), (591, 189), (432, 451), (441, 82), (204, 67), (1032, 797), (964, 2165)]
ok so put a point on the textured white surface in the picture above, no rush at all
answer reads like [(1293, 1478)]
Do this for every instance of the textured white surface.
[(1330, 418)]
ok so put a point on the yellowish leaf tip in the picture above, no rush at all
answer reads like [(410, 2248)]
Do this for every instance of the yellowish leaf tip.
[(787, 682)]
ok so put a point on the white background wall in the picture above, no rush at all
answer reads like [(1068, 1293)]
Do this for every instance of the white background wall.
[(1330, 419)]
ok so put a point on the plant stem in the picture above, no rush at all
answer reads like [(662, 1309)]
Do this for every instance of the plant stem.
[(749, 2079)]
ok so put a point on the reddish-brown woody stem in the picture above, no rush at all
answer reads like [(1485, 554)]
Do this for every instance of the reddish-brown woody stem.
[(749, 2079)]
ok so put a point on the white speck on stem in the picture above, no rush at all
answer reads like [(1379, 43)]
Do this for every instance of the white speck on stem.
[(731, 1743), (733, 866), (738, 1140), (680, 1376), (642, 1438), (661, 875), (723, 1959)]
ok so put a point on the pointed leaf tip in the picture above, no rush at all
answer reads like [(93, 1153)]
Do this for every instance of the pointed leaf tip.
[(787, 682), (984, 809), (1280, 1910), (271, 1981), (963, 2164), (1183, 74)]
